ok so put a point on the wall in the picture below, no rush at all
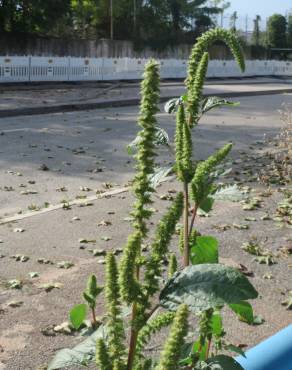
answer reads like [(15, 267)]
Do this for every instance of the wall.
[(22, 44)]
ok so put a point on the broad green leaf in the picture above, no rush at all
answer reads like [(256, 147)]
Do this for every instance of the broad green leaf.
[(222, 362), (81, 354), (159, 175), (215, 102), (229, 193), (205, 250), (161, 138), (216, 323), (207, 204), (244, 311), (171, 105), (78, 315), (233, 348), (206, 286)]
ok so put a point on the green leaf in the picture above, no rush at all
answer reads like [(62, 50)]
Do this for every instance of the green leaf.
[(201, 349), (244, 311), (78, 315), (216, 323), (171, 105), (83, 353), (92, 288), (161, 138), (89, 299), (206, 286), (215, 102), (222, 362), (205, 250), (159, 176), (229, 193), (186, 354), (235, 349), (207, 204)]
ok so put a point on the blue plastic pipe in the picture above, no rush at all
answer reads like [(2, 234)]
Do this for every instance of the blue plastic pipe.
[(274, 353)]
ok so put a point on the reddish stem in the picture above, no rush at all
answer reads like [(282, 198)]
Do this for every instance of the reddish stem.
[(195, 210), (208, 348), (133, 340), (94, 321), (186, 226)]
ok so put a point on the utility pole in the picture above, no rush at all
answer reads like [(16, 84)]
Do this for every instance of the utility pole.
[(135, 15), (246, 28), (111, 20)]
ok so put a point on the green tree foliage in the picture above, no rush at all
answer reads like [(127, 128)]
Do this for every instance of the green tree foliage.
[(256, 31), (34, 16), (276, 30), (151, 22), (289, 31)]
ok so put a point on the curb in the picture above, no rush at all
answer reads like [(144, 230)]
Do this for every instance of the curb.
[(74, 202), (120, 103)]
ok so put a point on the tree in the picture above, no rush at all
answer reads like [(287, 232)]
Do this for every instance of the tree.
[(156, 23), (222, 5), (276, 31), (33, 16), (256, 31), (289, 31)]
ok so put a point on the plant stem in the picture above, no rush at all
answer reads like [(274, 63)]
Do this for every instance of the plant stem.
[(152, 311), (208, 348), (94, 322), (134, 331), (133, 339), (195, 210), (186, 225)]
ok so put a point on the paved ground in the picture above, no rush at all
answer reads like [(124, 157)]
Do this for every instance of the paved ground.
[(84, 150), (54, 95), (87, 150)]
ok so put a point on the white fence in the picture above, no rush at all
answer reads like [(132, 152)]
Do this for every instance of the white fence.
[(26, 69)]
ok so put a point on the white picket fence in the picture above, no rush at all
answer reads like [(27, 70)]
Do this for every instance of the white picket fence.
[(29, 68)]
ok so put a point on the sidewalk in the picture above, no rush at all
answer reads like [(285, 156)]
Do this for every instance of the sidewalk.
[(68, 98)]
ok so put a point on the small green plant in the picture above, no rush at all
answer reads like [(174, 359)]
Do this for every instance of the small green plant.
[(137, 282), (78, 313)]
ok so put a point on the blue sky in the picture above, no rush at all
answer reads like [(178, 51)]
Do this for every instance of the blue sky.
[(263, 7), (247, 9)]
